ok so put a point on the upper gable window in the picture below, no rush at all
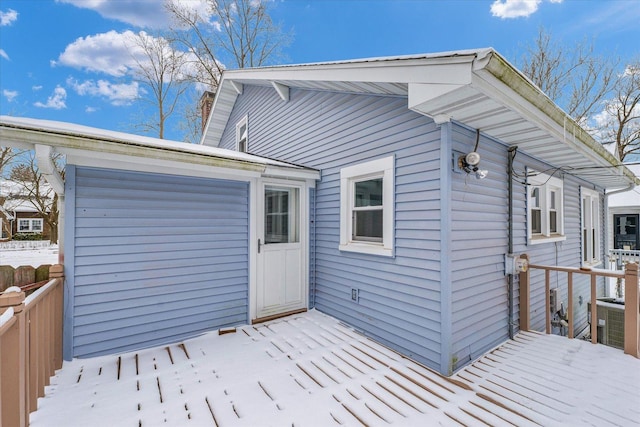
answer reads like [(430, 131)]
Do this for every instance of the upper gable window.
[(545, 209), (590, 227), (366, 207), (242, 135)]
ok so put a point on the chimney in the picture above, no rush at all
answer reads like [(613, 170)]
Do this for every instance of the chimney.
[(206, 103)]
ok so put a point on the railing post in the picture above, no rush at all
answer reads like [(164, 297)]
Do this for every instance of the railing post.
[(13, 363), (631, 315), (57, 272), (525, 280), (594, 311), (547, 305)]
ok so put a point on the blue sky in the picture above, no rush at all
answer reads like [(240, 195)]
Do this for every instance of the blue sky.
[(64, 60)]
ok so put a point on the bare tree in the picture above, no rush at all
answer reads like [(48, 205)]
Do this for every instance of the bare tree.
[(574, 77), (619, 123), (193, 32), (160, 68), (7, 155), (33, 187), (227, 33)]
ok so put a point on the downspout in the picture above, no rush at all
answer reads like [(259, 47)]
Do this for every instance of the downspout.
[(52, 176), (510, 278)]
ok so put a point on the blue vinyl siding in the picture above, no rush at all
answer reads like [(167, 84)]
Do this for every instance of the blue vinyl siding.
[(442, 299), (564, 253), (399, 298), (479, 240), (156, 258)]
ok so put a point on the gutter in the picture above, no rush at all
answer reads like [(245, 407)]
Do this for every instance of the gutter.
[(566, 128)]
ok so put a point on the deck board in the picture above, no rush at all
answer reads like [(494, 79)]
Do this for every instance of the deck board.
[(309, 369)]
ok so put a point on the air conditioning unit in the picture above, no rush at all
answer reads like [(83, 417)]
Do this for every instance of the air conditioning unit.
[(610, 312)]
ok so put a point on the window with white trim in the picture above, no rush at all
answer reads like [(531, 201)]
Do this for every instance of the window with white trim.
[(367, 207), (590, 227), (30, 225), (545, 208), (242, 135)]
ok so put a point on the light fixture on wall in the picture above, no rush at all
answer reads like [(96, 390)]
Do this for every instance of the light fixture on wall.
[(471, 161)]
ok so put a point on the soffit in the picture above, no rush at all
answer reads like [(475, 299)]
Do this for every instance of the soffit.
[(476, 88)]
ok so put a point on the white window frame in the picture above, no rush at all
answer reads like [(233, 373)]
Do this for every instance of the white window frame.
[(31, 222), (380, 168), (590, 229), (549, 186), (240, 137)]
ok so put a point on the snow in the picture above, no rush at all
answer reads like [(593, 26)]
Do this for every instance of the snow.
[(311, 370), (70, 129), (34, 257)]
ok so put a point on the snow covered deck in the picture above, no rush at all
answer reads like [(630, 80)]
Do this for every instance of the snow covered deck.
[(311, 370)]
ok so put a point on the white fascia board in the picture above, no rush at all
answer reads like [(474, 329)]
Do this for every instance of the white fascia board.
[(223, 103), (432, 70), (291, 173), (121, 162)]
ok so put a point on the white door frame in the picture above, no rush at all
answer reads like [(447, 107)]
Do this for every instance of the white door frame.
[(256, 192)]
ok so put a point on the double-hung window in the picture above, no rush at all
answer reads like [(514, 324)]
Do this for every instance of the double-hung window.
[(30, 225), (545, 208), (367, 207), (242, 135), (590, 227)]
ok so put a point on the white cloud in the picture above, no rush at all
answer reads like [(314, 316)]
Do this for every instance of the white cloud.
[(57, 100), (90, 109), (140, 13), (36, 88), (112, 53), (117, 94), (4, 55), (506, 9), (105, 53), (9, 94), (8, 17)]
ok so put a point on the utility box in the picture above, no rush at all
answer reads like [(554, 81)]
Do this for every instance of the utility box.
[(513, 264)]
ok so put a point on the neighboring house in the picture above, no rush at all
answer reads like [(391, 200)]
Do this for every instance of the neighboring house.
[(18, 213), (377, 191), (624, 217)]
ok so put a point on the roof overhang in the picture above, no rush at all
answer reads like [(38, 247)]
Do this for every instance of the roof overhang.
[(477, 88), (88, 146)]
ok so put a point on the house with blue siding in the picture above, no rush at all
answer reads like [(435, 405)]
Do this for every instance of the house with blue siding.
[(435, 170), (391, 193)]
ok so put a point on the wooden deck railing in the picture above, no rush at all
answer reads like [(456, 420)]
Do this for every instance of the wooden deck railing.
[(631, 301), (30, 347)]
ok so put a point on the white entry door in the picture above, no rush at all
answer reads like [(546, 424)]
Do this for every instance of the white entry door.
[(281, 267)]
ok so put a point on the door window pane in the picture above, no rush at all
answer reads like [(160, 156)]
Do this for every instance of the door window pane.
[(281, 223)]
